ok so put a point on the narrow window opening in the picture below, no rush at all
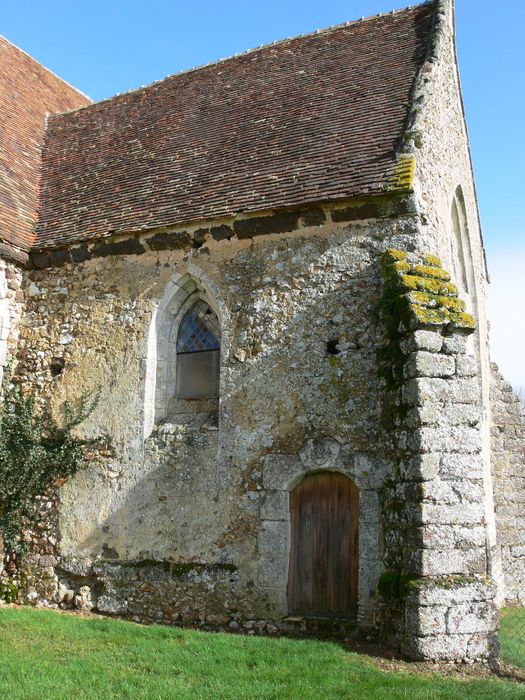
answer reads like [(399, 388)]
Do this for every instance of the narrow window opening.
[(198, 353), (458, 252)]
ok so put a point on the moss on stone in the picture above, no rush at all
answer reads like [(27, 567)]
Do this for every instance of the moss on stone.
[(432, 260), (457, 305), (415, 296), (411, 282), (393, 585), (422, 316), (392, 254), (463, 321), (401, 266), (432, 272), (436, 301), (424, 299), (389, 260), (402, 177)]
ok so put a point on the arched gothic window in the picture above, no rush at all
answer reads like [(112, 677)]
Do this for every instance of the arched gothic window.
[(458, 253), (198, 350), (460, 244), (183, 353)]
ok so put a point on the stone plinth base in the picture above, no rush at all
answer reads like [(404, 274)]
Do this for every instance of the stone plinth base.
[(451, 618)]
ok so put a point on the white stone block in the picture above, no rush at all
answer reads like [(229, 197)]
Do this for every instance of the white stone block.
[(461, 466), (273, 541), (466, 366), (453, 514), (426, 621), (418, 391), (275, 505), (471, 618), (450, 439), (428, 364), (422, 340)]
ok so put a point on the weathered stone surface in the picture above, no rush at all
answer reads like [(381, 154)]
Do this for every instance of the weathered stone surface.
[(182, 512), (220, 233), (422, 340), (313, 217), (508, 473), (422, 390), (127, 246), (114, 606), (420, 467), (428, 364), (472, 618)]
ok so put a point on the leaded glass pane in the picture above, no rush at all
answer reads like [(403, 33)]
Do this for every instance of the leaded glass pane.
[(199, 330), (198, 374)]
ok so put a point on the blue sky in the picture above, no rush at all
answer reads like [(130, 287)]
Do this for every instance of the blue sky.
[(107, 47)]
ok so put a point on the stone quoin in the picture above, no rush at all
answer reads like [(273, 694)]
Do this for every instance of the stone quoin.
[(266, 276)]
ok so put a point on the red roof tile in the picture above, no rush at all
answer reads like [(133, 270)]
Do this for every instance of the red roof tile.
[(309, 119), (28, 91)]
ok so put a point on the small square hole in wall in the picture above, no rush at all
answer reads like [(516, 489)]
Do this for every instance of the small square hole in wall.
[(56, 366), (331, 346)]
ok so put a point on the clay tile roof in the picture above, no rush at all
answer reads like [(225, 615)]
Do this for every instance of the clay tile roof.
[(310, 119), (28, 92)]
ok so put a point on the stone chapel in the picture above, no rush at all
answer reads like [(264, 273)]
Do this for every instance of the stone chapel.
[(268, 275)]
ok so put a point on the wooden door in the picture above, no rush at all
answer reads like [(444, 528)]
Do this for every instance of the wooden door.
[(324, 552)]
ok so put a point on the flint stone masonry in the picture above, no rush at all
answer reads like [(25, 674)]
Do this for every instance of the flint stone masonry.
[(215, 486)]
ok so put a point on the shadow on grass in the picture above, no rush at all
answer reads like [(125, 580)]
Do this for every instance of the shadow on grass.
[(58, 656)]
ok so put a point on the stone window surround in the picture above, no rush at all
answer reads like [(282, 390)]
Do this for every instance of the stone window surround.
[(461, 249), (281, 474), (185, 287)]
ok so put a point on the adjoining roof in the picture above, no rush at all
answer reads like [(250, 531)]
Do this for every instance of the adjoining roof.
[(305, 120), (28, 92)]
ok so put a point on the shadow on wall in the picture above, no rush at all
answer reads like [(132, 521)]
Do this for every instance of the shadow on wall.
[(298, 362)]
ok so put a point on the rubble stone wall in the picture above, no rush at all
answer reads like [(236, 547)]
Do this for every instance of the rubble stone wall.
[(11, 306), (508, 472), (187, 519)]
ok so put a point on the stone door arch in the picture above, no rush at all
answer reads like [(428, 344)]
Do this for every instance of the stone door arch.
[(324, 552)]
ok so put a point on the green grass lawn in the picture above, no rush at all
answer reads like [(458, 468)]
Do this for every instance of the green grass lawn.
[(512, 636), (45, 656)]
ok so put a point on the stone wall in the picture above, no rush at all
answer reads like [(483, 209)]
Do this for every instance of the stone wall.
[(437, 139), (508, 472), (438, 599), (187, 519), (11, 305)]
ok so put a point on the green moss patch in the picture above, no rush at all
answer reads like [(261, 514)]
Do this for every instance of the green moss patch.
[(418, 295), (393, 585)]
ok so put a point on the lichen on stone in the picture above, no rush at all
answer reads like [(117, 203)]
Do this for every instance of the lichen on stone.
[(432, 260), (432, 272), (416, 296), (424, 284), (419, 295), (402, 176)]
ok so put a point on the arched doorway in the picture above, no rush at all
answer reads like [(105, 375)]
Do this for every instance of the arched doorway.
[(324, 554)]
